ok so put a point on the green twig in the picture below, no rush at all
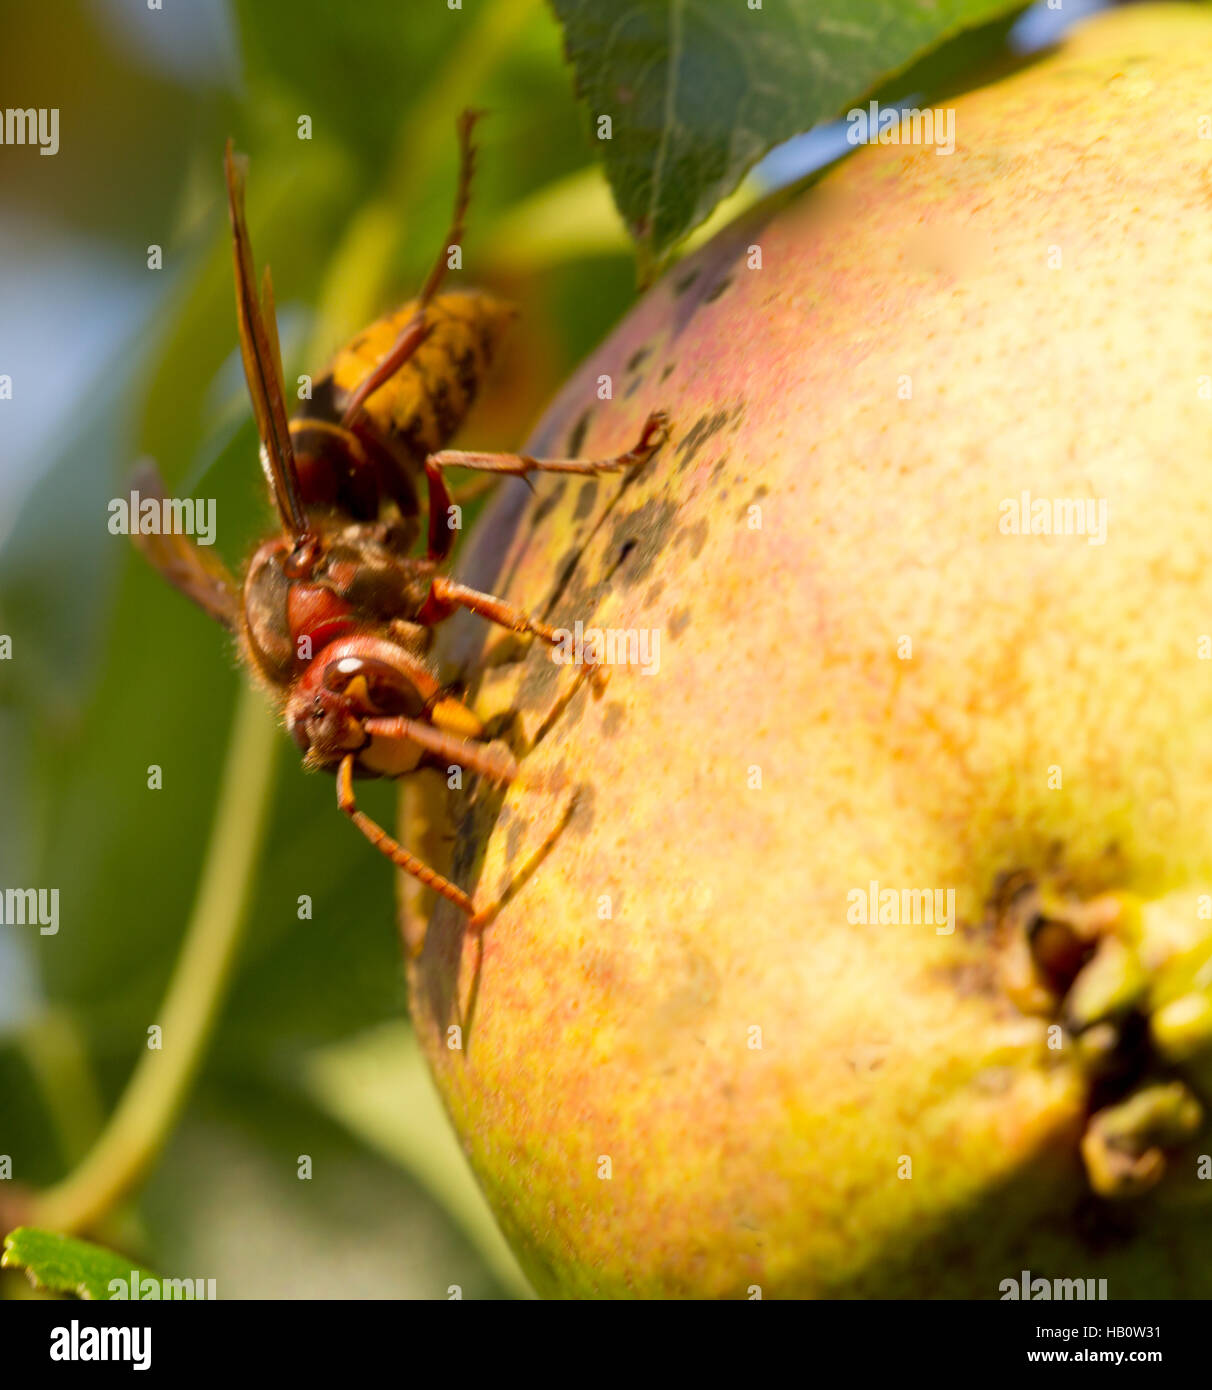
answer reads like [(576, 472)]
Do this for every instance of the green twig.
[(57, 1058), (148, 1108)]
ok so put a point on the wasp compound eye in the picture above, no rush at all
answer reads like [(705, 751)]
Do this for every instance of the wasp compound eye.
[(339, 675)]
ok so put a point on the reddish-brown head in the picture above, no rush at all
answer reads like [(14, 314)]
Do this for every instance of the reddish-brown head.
[(356, 678)]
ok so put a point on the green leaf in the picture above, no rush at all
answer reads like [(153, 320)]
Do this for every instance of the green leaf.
[(378, 1086), (697, 91), (230, 1203), (301, 64), (66, 1265)]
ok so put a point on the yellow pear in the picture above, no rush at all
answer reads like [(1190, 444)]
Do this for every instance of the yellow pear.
[(855, 938)]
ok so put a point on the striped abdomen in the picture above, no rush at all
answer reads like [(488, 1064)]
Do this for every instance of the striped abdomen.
[(422, 406)]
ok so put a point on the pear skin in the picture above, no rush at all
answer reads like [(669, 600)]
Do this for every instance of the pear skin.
[(687, 1058)]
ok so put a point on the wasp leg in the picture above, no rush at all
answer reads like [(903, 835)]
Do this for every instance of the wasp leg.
[(483, 915), (414, 333), (441, 499), (441, 535), (454, 234), (383, 842), (491, 760), (653, 435), (447, 595), (593, 673)]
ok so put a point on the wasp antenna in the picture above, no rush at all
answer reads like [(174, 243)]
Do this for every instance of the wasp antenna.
[(262, 357)]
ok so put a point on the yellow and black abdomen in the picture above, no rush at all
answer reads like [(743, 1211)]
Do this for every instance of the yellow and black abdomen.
[(422, 406)]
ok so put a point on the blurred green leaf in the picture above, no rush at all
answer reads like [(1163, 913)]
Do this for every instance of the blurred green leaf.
[(353, 70), (65, 1265), (232, 1200), (378, 1085), (698, 92), (970, 59), (123, 122), (29, 1136)]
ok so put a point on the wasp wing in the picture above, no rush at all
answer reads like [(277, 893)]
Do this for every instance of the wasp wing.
[(262, 359), (199, 575)]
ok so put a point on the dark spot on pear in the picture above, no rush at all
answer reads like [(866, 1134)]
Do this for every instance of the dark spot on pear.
[(694, 536), (538, 684), (548, 502), (577, 705), (564, 568), (699, 433), (612, 720), (576, 437), (581, 820), (513, 842), (759, 493), (681, 286), (646, 532), (587, 496)]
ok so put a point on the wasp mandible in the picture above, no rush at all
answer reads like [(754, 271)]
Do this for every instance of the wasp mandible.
[(334, 616)]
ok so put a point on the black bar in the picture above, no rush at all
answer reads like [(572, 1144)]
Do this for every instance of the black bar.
[(388, 1342)]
